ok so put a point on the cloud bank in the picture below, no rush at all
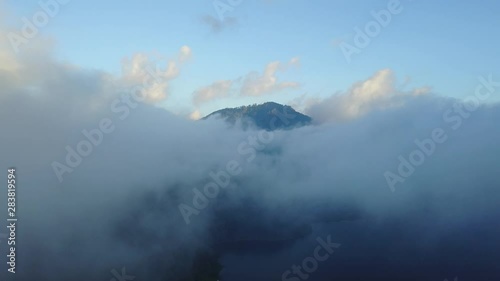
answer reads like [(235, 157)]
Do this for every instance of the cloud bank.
[(375, 93)]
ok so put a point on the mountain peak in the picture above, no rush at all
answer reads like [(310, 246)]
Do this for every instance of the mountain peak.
[(268, 116)]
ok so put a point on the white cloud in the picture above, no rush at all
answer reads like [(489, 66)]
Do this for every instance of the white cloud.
[(216, 90), (146, 70), (185, 53), (376, 93), (295, 61), (421, 91), (195, 115), (255, 84)]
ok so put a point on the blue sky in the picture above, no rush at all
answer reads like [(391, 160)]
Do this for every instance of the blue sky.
[(445, 45)]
